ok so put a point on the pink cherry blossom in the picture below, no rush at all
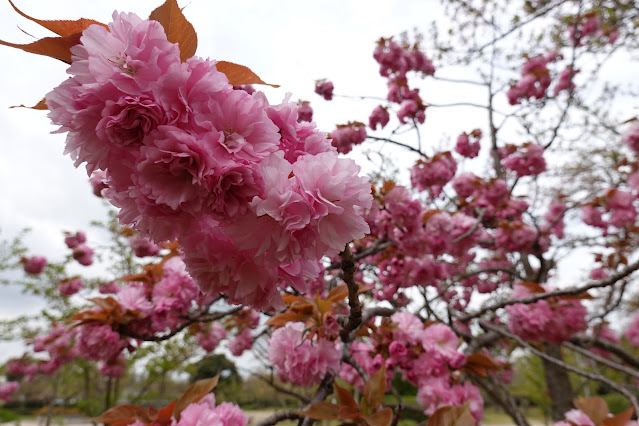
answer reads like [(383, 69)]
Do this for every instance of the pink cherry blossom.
[(242, 342), (211, 336), (143, 247), (346, 136), (34, 265), (70, 287), (297, 360), (379, 116), (83, 254), (74, 240), (324, 88)]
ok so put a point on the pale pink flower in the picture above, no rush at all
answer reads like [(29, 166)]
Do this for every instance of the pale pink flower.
[(578, 418), (134, 297), (297, 360)]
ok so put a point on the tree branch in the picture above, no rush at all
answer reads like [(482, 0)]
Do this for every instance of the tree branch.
[(566, 292)]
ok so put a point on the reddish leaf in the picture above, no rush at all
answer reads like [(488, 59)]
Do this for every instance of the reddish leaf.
[(289, 299), (323, 305), (61, 28), (54, 47), (305, 309), (348, 408), (594, 407), (580, 296), (338, 293), (282, 319), (165, 413), (479, 363), (42, 105), (194, 393), (381, 418), (452, 416), (104, 302), (125, 414), (620, 419), (374, 389), (239, 74), (321, 411), (533, 287), (177, 28)]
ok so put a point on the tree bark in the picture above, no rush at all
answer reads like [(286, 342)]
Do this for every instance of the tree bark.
[(558, 383)]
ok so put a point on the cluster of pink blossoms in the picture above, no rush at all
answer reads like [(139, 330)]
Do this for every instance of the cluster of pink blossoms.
[(396, 60), (565, 81), (535, 79), (525, 160), (616, 208), (551, 321), (324, 88), (205, 412), (346, 136), (434, 173), (467, 148), (34, 265), (246, 189), (589, 28), (379, 116), (211, 336), (425, 357), (299, 361), (70, 287), (82, 253)]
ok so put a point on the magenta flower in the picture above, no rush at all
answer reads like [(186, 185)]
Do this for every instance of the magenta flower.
[(34, 265)]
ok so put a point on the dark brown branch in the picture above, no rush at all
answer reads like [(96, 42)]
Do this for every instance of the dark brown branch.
[(592, 376), (325, 389), (394, 142), (354, 319), (602, 360), (198, 318), (566, 292), (379, 246), (618, 351)]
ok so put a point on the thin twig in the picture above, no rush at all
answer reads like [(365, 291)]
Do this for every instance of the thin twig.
[(566, 292)]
